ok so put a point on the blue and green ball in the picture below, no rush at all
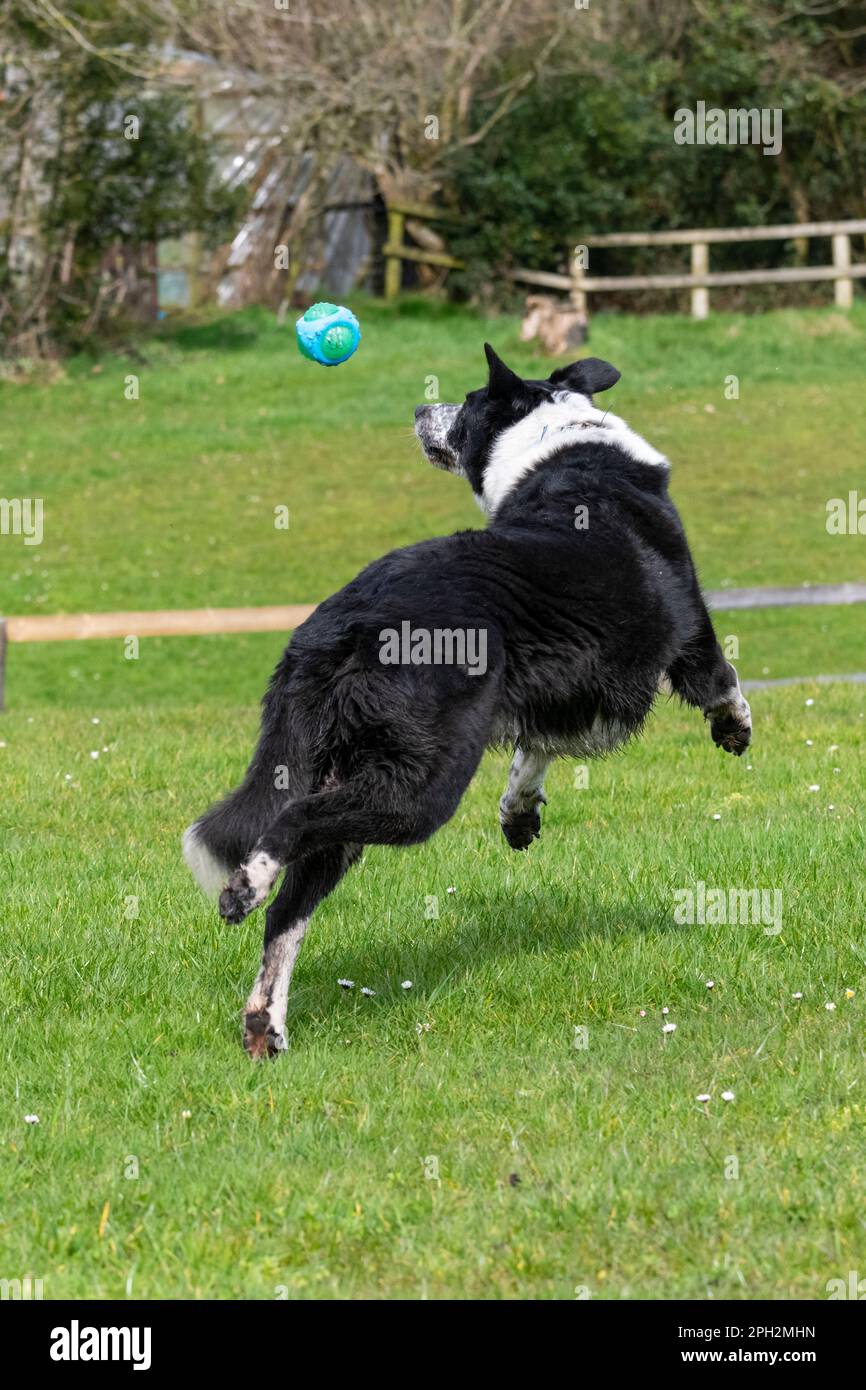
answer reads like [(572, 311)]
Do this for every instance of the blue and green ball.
[(328, 334)]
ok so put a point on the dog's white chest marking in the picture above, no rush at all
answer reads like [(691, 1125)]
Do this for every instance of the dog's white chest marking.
[(567, 419)]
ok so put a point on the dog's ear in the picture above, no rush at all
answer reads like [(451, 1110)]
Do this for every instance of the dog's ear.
[(502, 381), (587, 376)]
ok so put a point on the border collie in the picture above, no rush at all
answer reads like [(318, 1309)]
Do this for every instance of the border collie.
[(580, 593)]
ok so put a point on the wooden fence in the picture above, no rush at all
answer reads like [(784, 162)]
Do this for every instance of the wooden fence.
[(194, 622), (395, 251), (841, 271)]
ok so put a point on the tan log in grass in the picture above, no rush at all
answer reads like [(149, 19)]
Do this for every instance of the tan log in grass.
[(190, 622), (66, 627)]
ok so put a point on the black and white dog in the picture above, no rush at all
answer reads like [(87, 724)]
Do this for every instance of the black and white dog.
[(549, 631)]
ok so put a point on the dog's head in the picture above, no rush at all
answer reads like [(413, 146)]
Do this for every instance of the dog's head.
[(463, 438)]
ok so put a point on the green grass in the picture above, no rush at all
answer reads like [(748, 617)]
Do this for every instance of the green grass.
[(168, 501), (121, 990), (309, 1173)]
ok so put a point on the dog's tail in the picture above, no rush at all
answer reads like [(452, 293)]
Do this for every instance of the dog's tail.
[(220, 840)]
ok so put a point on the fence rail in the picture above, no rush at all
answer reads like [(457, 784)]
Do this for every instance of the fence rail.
[(700, 280), (396, 251), (786, 232)]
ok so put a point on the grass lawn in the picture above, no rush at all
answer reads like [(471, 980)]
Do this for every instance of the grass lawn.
[(449, 1140), (168, 501)]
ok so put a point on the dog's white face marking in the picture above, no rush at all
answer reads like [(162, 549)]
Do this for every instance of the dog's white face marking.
[(568, 418), (208, 871), (432, 426)]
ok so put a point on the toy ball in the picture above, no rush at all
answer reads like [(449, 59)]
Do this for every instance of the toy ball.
[(328, 334)]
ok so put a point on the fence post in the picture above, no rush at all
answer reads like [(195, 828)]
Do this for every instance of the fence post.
[(843, 289), (700, 266), (393, 264), (578, 293), (3, 641)]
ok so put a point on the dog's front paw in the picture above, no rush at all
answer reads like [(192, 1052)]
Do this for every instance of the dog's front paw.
[(520, 828), (261, 1039), (731, 726), (238, 898)]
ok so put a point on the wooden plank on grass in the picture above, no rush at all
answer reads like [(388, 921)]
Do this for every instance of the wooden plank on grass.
[(192, 622), (771, 597)]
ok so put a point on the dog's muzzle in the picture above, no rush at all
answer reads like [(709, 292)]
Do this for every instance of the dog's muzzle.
[(433, 424)]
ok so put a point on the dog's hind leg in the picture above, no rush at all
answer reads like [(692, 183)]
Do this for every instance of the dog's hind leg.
[(366, 810), (306, 883), (702, 676), (519, 813), (394, 783), (378, 806)]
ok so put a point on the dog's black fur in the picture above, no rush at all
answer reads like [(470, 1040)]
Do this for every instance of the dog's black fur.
[(581, 625)]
